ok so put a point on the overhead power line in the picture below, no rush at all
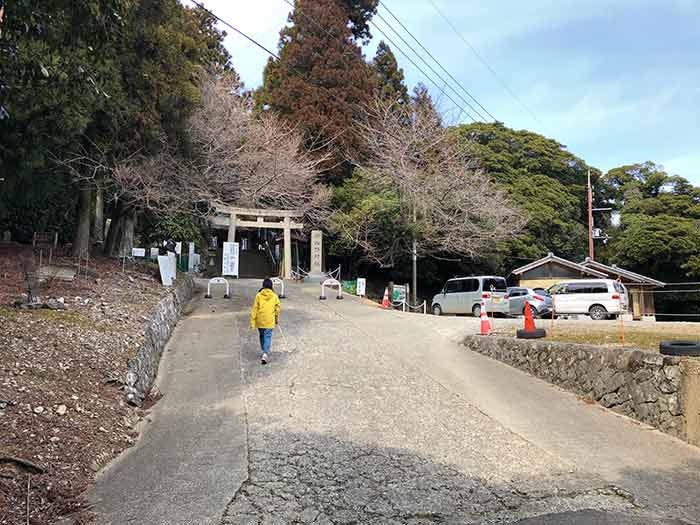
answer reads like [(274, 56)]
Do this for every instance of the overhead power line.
[(430, 79), (420, 57), (251, 39), (485, 63), (436, 84), (259, 45), (457, 82)]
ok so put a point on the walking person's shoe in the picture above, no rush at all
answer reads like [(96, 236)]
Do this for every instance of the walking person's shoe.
[(264, 359)]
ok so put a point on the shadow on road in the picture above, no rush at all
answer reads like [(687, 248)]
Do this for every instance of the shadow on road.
[(305, 478)]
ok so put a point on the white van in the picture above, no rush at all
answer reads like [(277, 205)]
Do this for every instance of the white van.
[(599, 298)]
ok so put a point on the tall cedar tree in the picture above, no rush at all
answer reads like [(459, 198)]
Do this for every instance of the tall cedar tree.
[(390, 78), (321, 80)]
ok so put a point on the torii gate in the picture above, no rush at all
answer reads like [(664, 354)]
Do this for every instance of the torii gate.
[(231, 217)]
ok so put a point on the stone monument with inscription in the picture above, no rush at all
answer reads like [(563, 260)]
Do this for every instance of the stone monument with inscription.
[(316, 271)]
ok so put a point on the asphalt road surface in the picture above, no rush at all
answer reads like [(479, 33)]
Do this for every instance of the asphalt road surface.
[(369, 416)]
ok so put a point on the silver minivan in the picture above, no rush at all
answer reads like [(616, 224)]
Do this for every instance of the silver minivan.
[(463, 295)]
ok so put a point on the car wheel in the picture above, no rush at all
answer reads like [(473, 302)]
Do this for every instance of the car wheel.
[(476, 311), (598, 313), (437, 310)]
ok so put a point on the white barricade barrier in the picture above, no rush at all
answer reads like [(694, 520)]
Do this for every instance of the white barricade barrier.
[(407, 307), (331, 283), (217, 280), (280, 282)]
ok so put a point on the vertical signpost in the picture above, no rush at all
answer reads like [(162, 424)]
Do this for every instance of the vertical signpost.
[(190, 257), (316, 252), (172, 259), (230, 259), (361, 286), (164, 267)]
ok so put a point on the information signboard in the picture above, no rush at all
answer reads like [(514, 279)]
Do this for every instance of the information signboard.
[(165, 269), (229, 260), (361, 286), (400, 293), (190, 257), (172, 259)]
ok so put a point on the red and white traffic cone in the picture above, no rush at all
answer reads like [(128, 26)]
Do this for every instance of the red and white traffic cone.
[(485, 323), (385, 300)]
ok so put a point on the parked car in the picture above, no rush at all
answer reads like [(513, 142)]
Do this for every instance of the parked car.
[(463, 295), (599, 298), (540, 301)]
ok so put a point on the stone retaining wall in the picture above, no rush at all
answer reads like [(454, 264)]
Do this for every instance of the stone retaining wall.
[(143, 367), (658, 390)]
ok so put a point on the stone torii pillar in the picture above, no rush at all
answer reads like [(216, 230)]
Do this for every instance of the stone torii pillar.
[(231, 228), (287, 248)]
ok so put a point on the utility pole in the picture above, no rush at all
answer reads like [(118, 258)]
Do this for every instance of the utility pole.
[(591, 230), (414, 256), (591, 253)]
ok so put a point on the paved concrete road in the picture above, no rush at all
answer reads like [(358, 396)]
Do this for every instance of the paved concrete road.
[(192, 456), (366, 416)]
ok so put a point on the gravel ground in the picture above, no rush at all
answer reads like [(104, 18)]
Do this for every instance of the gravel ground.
[(61, 407)]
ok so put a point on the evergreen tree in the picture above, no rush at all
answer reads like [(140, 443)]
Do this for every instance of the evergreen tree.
[(546, 181), (390, 78), (321, 81)]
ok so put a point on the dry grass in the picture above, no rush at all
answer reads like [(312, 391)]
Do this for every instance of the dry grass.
[(644, 339), (640, 335)]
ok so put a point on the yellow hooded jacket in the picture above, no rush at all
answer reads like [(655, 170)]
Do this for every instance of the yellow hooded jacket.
[(266, 310)]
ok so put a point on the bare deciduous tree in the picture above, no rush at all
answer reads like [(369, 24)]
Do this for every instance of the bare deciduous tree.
[(443, 201), (241, 158)]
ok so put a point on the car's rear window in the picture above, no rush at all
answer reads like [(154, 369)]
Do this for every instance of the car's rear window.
[(494, 284)]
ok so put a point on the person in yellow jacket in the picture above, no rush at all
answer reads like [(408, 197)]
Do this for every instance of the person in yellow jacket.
[(265, 316)]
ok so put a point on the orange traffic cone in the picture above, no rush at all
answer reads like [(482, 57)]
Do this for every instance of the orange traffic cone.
[(529, 320), (385, 301), (485, 323), (530, 331)]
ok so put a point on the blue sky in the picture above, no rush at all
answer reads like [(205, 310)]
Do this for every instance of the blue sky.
[(616, 81)]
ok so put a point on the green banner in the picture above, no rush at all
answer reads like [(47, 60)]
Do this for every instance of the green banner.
[(350, 287)]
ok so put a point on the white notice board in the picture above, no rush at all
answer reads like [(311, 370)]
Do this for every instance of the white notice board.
[(172, 258), (164, 267), (361, 286), (190, 257), (138, 252), (229, 260)]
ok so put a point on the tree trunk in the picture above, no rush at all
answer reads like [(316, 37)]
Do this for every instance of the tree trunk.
[(98, 225), (81, 241), (127, 238), (116, 225)]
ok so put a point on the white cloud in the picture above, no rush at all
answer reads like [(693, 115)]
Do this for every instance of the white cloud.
[(687, 166)]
